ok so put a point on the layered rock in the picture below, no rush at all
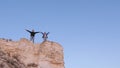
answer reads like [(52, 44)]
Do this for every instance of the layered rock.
[(25, 54)]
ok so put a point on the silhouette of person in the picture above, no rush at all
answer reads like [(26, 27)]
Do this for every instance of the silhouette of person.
[(45, 35), (32, 34)]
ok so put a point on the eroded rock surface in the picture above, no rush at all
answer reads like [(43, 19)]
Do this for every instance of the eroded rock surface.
[(25, 54)]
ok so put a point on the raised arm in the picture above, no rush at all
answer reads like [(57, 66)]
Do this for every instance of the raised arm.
[(42, 33), (37, 32), (28, 30), (47, 33)]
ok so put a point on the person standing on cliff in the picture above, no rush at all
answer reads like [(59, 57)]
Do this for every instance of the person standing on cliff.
[(45, 35), (32, 34)]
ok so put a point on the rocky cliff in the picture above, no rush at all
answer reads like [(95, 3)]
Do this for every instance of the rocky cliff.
[(25, 54)]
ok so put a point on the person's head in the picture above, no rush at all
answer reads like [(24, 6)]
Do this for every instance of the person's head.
[(45, 33), (32, 30)]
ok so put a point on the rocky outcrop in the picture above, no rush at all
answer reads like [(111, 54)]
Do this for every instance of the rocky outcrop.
[(25, 54)]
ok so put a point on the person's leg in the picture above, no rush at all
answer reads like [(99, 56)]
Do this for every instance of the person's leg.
[(45, 39), (33, 39)]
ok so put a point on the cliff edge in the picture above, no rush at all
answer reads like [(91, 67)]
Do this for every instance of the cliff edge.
[(25, 54)]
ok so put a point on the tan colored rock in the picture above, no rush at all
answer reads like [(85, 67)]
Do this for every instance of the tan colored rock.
[(25, 54)]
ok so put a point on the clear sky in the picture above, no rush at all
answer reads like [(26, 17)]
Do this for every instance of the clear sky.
[(88, 30)]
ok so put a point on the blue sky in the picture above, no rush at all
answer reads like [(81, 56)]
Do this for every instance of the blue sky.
[(88, 30)]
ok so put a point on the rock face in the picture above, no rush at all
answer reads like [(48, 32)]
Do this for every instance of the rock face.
[(25, 54)]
